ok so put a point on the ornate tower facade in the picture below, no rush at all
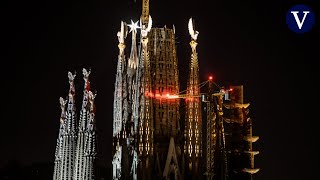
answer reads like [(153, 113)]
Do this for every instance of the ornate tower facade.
[(75, 150)]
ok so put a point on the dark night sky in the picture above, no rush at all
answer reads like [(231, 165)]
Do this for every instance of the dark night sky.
[(239, 43)]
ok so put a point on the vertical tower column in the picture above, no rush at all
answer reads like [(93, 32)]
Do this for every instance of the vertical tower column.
[(143, 111), (69, 137), (211, 135), (220, 169), (193, 124), (164, 82), (119, 98), (59, 150), (85, 151), (216, 165)]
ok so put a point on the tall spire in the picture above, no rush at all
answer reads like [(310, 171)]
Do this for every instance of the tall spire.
[(142, 109), (193, 124), (133, 59), (85, 150), (58, 153), (71, 109), (119, 84), (65, 149), (119, 104)]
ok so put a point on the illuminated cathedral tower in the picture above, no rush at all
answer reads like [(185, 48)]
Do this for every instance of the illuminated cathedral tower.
[(146, 121), (66, 141), (150, 140), (193, 122), (86, 148), (75, 150)]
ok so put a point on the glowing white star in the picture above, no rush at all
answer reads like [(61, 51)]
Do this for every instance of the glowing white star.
[(133, 26)]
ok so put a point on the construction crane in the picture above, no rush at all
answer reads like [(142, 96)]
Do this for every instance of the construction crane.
[(182, 94)]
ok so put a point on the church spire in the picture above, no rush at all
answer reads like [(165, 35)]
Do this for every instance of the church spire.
[(85, 149), (193, 123), (67, 135), (58, 153), (133, 59)]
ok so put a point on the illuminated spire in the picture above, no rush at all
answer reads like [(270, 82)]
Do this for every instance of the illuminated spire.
[(146, 29), (133, 60), (67, 135), (120, 103), (193, 123), (193, 33), (85, 149), (59, 150)]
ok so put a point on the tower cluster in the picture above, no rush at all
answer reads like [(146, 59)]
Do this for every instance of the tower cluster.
[(154, 137), (159, 131), (76, 144)]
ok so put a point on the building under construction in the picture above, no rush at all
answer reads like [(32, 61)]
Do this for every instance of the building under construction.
[(151, 140)]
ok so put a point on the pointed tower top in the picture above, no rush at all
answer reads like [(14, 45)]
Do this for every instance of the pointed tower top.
[(133, 60), (145, 29), (86, 78), (193, 33), (62, 103), (122, 34), (71, 82)]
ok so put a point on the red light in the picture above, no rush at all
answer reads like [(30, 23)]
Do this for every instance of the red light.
[(210, 77), (230, 89)]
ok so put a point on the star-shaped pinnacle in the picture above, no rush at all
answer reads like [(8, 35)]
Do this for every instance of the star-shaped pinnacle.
[(133, 26)]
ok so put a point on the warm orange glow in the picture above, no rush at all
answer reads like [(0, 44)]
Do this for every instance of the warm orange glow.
[(149, 94), (160, 96), (173, 96), (189, 99), (230, 89)]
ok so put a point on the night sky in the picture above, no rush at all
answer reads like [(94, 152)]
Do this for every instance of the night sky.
[(239, 43)]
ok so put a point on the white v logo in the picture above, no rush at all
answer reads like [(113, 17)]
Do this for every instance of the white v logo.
[(295, 14)]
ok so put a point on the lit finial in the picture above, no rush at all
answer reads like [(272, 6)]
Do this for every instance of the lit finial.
[(133, 26), (86, 74), (122, 34), (144, 29), (193, 33), (71, 82)]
